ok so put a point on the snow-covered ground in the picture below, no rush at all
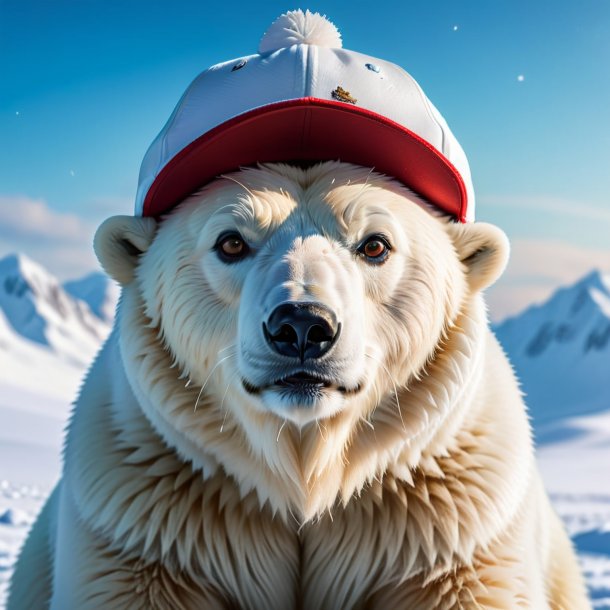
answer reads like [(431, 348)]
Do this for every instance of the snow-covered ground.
[(31, 432), (40, 377), (576, 472)]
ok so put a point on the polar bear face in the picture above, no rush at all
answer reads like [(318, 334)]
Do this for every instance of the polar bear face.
[(300, 295)]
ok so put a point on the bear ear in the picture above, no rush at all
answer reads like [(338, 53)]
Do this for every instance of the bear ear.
[(483, 250), (118, 243)]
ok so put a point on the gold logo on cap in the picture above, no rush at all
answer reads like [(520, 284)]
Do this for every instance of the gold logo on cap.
[(343, 96)]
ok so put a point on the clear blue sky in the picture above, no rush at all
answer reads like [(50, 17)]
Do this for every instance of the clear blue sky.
[(85, 85)]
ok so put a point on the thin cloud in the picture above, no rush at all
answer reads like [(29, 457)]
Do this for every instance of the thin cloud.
[(33, 218), (61, 242), (110, 206)]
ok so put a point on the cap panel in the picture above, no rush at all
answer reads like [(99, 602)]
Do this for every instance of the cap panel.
[(455, 153), (219, 94), (223, 92), (386, 92)]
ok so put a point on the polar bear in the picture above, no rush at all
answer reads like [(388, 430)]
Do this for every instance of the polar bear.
[(301, 405)]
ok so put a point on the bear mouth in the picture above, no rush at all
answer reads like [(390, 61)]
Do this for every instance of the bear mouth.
[(301, 382)]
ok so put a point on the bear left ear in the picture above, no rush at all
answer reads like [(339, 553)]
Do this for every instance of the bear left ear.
[(483, 250), (119, 242)]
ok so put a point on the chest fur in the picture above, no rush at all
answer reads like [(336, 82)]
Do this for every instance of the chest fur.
[(392, 531)]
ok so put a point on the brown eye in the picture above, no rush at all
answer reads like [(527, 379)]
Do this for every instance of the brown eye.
[(231, 247), (375, 248)]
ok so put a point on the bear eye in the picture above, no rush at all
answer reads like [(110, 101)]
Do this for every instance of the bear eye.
[(231, 247), (375, 248)]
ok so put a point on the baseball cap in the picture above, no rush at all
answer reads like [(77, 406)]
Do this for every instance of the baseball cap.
[(305, 99)]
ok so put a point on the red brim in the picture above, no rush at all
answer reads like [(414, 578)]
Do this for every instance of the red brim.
[(310, 130)]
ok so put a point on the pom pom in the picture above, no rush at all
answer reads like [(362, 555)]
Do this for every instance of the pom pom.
[(298, 27)]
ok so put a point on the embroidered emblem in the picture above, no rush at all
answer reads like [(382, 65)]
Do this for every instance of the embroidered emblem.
[(343, 96), (239, 65)]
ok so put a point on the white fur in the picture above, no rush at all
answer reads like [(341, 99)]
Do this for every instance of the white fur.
[(417, 488)]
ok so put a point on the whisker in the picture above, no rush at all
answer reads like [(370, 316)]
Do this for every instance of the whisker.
[(208, 378), (205, 383), (368, 423), (239, 183), (224, 419), (365, 182), (296, 521), (197, 399), (224, 349), (364, 185), (277, 440), (375, 386), (324, 438), (226, 206), (394, 384)]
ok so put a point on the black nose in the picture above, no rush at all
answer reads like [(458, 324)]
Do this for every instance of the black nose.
[(301, 330)]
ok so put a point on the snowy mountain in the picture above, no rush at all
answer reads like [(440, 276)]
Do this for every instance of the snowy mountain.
[(37, 308), (561, 352), (98, 291)]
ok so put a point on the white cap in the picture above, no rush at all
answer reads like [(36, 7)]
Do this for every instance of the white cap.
[(304, 99)]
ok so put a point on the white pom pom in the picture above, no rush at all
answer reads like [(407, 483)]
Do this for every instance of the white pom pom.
[(298, 27)]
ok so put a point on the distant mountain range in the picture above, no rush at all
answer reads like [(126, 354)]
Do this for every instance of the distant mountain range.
[(98, 291), (561, 352), (69, 320)]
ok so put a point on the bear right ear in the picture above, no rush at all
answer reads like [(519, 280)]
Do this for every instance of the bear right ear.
[(483, 250), (118, 243)]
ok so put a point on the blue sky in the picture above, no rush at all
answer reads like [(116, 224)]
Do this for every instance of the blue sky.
[(85, 85)]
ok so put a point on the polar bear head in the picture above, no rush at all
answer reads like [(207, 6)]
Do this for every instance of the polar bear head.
[(276, 317)]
